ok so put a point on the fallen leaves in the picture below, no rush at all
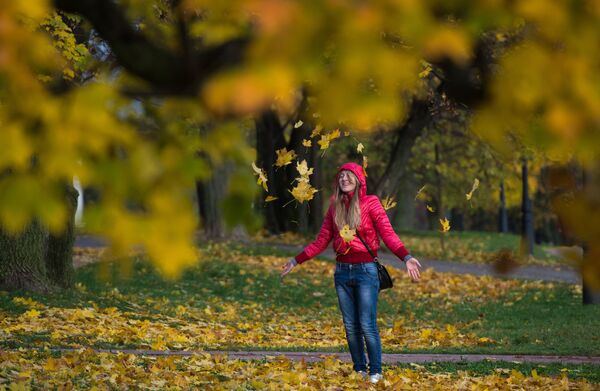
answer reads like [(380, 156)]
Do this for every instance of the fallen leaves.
[(88, 369)]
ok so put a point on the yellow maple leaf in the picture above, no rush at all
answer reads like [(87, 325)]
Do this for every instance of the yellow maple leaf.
[(324, 141), (475, 186), (360, 147), (445, 224), (284, 157), (303, 191), (316, 131), (430, 208), (333, 134), (298, 124), (347, 234), (270, 198), (388, 202), (303, 170), (307, 143), (262, 176)]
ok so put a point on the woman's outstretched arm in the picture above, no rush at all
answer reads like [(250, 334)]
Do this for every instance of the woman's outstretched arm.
[(317, 246)]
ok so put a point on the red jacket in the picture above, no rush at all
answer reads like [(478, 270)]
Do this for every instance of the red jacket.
[(373, 221)]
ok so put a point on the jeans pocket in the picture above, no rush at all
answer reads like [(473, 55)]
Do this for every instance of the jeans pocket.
[(371, 270)]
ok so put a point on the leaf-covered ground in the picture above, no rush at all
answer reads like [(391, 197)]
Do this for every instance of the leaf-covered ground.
[(88, 370), (234, 299)]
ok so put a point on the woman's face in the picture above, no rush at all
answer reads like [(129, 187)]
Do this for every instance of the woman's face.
[(347, 181)]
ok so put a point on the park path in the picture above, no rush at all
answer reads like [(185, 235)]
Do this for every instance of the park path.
[(387, 358), (529, 272)]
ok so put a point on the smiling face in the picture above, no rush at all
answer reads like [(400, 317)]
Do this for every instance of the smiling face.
[(347, 181)]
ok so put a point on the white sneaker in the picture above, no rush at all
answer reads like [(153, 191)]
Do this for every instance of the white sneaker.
[(375, 378)]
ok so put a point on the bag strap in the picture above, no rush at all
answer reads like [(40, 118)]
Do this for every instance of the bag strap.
[(375, 259)]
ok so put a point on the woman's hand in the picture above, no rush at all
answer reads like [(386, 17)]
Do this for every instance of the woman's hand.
[(288, 267), (413, 265)]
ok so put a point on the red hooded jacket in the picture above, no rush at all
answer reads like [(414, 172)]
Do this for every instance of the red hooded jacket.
[(373, 221)]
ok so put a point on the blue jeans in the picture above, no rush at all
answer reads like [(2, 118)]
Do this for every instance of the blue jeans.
[(357, 287)]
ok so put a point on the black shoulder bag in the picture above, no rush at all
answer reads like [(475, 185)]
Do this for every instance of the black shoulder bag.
[(385, 281)]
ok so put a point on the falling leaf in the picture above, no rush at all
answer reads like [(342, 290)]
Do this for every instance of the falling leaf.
[(445, 224), (284, 157), (324, 142), (334, 134), (298, 124), (430, 208), (262, 176), (307, 143), (316, 131), (303, 169), (420, 195), (388, 202), (346, 133), (347, 234), (475, 186), (303, 191), (270, 198), (360, 147)]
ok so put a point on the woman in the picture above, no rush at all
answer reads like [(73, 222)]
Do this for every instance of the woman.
[(356, 278)]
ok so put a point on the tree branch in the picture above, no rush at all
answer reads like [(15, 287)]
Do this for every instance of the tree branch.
[(164, 70)]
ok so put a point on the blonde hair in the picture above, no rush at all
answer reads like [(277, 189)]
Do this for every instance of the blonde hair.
[(351, 215)]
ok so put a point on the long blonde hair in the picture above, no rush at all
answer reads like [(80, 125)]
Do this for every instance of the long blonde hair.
[(350, 216)]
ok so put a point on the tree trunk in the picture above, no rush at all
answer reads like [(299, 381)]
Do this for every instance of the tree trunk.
[(59, 259), (439, 192), (527, 215), (395, 173), (502, 214), (22, 264), (209, 193), (269, 138)]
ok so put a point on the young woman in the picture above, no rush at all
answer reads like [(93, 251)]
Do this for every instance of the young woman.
[(356, 278)]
